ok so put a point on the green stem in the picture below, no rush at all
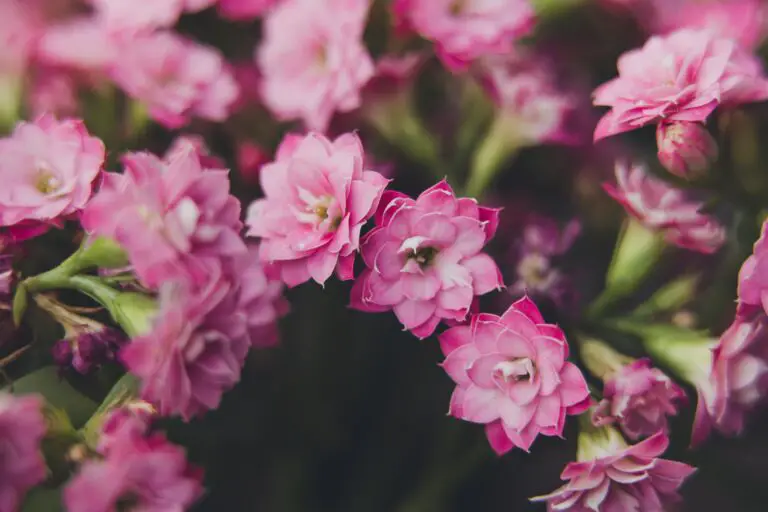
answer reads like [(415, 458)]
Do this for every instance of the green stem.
[(497, 148)]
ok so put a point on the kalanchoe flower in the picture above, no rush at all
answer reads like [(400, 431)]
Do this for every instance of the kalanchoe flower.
[(244, 9), (661, 207), (685, 149), (175, 77), (466, 30), (167, 214), (313, 59), (48, 168), (250, 159), (512, 375), (424, 258), (612, 476), (682, 76), (22, 428), (89, 349), (142, 469), (638, 397), (318, 195), (753, 276), (182, 143), (122, 16)]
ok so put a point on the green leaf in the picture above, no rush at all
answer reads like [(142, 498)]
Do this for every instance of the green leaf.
[(20, 302), (669, 297), (41, 499)]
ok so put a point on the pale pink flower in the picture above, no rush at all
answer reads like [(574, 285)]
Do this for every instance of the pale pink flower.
[(52, 91), (142, 469), (511, 374), (612, 477), (662, 207), (738, 379), (639, 398), (175, 77), (182, 143), (167, 215), (313, 59), (20, 26), (682, 76), (318, 195), (244, 9), (753, 276), (126, 16), (22, 428), (48, 169), (685, 149), (80, 43), (425, 259), (465, 30)]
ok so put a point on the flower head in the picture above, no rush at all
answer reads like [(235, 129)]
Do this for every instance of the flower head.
[(661, 207), (685, 149), (318, 195), (753, 276), (682, 76), (424, 258), (465, 30), (244, 9), (122, 16), (313, 59), (511, 374), (613, 476), (22, 428)]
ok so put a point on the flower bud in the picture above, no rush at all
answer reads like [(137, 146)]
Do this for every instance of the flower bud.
[(685, 149)]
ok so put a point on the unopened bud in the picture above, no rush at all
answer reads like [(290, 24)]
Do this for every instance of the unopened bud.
[(686, 149)]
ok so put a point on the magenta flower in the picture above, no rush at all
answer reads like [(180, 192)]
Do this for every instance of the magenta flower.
[(318, 195), (612, 476), (685, 149), (683, 76), (661, 207), (511, 374), (424, 258), (167, 215), (22, 428), (313, 59), (244, 9), (48, 168), (738, 379), (176, 78), (639, 398), (466, 30), (753, 276)]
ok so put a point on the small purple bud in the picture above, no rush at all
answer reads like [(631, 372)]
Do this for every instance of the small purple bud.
[(90, 349), (62, 353), (685, 149)]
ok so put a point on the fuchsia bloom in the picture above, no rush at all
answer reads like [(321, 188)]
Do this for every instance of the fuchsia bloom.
[(318, 195), (512, 375), (738, 379), (661, 207), (753, 276), (244, 9), (424, 258), (466, 30), (167, 215), (176, 77), (139, 468), (615, 477), (682, 76), (22, 428), (313, 59), (48, 169), (639, 398)]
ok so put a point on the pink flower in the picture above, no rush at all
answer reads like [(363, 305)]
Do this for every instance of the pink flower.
[(318, 195), (52, 92), (250, 159), (122, 16), (176, 78), (511, 374), (167, 215), (617, 477), (22, 428), (80, 43), (313, 59), (145, 470), (424, 258), (244, 9), (182, 143), (738, 378), (753, 276), (48, 168), (20, 25), (682, 76), (638, 397), (466, 30), (661, 207), (685, 149)]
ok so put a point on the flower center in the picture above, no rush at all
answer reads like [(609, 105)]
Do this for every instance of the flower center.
[(457, 7), (424, 256), (46, 182), (534, 269), (515, 370)]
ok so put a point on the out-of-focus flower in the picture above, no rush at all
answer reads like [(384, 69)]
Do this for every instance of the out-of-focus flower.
[(313, 59), (142, 469), (122, 16), (424, 258), (22, 428), (175, 77), (181, 144), (682, 76), (250, 159), (661, 207), (80, 43), (318, 195), (738, 379), (685, 149), (612, 476), (244, 9), (167, 215), (753, 276), (48, 168), (52, 92), (466, 30), (512, 375)]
